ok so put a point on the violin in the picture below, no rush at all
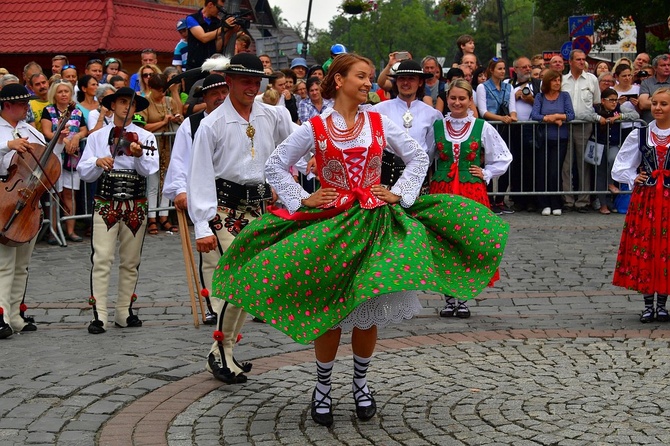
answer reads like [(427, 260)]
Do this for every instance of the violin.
[(30, 174), (125, 138)]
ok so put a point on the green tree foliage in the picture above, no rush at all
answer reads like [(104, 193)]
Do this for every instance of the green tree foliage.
[(418, 27), (409, 25), (643, 13)]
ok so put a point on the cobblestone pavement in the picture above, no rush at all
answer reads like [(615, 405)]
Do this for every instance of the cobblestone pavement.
[(553, 355)]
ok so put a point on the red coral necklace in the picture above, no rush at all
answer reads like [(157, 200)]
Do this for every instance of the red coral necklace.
[(457, 134)]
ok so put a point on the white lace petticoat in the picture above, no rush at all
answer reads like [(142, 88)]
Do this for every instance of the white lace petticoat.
[(382, 311)]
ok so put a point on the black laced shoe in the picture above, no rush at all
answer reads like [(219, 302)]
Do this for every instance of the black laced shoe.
[(224, 374), (213, 364), (210, 318), (662, 314), (5, 331), (647, 315), (462, 310), (96, 327), (449, 310), (324, 419), (364, 413), (29, 327)]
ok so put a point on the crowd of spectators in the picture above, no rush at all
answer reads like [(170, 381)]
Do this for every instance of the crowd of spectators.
[(603, 97)]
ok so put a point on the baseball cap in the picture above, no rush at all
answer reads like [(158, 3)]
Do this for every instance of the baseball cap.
[(181, 24)]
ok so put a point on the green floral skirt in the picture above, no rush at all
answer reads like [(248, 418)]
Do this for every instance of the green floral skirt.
[(304, 276)]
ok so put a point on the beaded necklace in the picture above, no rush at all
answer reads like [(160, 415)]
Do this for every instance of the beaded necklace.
[(348, 134)]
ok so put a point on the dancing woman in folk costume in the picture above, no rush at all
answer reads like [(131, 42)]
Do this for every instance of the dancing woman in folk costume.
[(643, 162), (342, 257), (462, 142)]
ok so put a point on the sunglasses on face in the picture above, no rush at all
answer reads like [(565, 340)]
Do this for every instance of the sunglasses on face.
[(145, 75)]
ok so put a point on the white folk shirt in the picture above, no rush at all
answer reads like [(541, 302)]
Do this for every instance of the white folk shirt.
[(629, 157), (301, 143), (97, 146), (222, 149), (22, 130), (423, 117), (584, 93), (180, 161)]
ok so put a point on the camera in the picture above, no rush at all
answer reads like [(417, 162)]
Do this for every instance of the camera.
[(242, 18), (401, 55), (525, 90)]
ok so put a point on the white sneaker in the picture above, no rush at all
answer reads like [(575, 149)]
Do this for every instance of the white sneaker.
[(546, 211), (557, 212)]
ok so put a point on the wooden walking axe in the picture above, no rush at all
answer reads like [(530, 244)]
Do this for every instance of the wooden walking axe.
[(191, 268)]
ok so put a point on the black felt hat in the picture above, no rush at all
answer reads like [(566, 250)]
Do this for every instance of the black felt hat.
[(141, 103), (14, 92), (410, 68), (211, 81), (247, 64)]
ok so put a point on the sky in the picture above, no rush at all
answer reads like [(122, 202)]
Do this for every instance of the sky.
[(295, 11)]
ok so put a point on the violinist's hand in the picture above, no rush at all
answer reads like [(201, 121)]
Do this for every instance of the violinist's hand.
[(106, 163), (322, 196), (180, 201), (206, 244), (384, 194), (19, 144), (135, 149)]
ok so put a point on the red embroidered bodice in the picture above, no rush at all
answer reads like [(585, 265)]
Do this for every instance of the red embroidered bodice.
[(350, 171)]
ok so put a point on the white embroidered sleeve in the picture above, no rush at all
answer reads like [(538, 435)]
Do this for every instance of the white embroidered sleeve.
[(624, 169)]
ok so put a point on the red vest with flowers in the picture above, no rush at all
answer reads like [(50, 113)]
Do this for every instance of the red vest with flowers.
[(350, 171), (451, 157)]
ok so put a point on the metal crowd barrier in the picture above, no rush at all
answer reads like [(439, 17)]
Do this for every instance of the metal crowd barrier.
[(525, 140)]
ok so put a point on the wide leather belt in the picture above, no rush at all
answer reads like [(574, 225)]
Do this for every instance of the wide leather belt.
[(122, 184), (233, 195)]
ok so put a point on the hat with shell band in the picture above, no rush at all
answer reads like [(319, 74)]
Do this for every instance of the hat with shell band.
[(14, 92), (410, 68), (246, 64)]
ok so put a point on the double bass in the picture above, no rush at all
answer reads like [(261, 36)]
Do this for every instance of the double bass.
[(30, 174)]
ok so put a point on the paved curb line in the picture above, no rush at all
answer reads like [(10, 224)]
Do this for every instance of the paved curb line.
[(146, 421)]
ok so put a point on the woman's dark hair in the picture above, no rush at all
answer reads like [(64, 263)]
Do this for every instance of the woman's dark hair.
[(83, 83), (475, 77), (158, 81), (315, 68), (341, 65), (279, 75), (621, 68), (311, 81), (548, 77), (289, 73)]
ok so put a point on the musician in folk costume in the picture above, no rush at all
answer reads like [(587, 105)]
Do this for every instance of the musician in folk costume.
[(214, 91), (15, 137), (120, 204), (226, 184)]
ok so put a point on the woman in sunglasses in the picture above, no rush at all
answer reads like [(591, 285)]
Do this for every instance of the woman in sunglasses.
[(144, 74)]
